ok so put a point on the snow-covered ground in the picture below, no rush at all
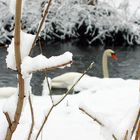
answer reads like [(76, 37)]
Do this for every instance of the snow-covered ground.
[(74, 18), (115, 104)]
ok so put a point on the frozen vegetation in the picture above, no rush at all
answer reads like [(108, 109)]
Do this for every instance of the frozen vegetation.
[(109, 21)]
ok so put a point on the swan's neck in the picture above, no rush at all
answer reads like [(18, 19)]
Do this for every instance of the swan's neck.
[(105, 65)]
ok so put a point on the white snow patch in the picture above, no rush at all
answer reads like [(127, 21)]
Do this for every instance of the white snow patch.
[(25, 47), (40, 62)]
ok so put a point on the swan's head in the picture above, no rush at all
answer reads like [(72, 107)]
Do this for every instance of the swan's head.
[(111, 53)]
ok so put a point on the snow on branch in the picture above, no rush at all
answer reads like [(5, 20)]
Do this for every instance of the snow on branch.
[(40, 62), (26, 44), (119, 129), (98, 118)]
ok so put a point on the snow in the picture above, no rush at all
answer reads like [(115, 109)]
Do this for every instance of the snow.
[(107, 19), (7, 91), (10, 106), (26, 44), (65, 18), (116, 107), (40, 62), (113, 101)]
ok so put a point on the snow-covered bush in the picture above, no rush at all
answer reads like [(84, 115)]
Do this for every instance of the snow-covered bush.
[(74, 19), (69, 19), (5, 23)]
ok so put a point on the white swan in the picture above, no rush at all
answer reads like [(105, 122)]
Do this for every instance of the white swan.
[(7, 91), (107, 53), (64, 80), (67, 79)]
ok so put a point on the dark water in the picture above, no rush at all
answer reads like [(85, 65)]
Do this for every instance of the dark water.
[(127, 67)]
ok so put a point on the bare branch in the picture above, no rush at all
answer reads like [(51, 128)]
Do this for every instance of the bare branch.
[(48, 86), (126, 135), (95, 119), (46, 118), (137, 137), (32, 115), (135, 124), (8, 118), (20, 102), (41, 24)]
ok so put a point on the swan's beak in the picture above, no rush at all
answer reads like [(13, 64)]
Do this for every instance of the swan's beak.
[(114, 56)]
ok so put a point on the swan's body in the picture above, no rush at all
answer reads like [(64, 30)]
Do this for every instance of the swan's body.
[(7, 91), (67, 79)]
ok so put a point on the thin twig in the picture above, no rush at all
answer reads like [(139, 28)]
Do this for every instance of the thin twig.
[(126, 135), (8, 118), (137, 137), (49, 87), (32, 116), (40, 26), (135, 124), (46, 118), (54, 105), (40, 47), (96, 120)]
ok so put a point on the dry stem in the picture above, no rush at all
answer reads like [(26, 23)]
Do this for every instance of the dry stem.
[(126, 135), (32, 115), (8, 118), (48, 86), (95, 119), (18, 111), (135, 125), (41, 24), (138, 132)]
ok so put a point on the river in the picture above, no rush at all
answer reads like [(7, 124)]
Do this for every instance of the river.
[(127, 66)]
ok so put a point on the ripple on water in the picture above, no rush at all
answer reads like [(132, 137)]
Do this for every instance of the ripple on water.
[(8, 80)]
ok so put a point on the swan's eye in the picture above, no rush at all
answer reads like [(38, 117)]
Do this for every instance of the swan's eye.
[(114, 56)]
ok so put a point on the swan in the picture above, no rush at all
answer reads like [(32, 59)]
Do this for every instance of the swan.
[(67, 79), (107, 53), (7, 91)]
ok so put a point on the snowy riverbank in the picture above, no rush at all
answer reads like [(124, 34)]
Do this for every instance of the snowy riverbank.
[(110, 21)]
